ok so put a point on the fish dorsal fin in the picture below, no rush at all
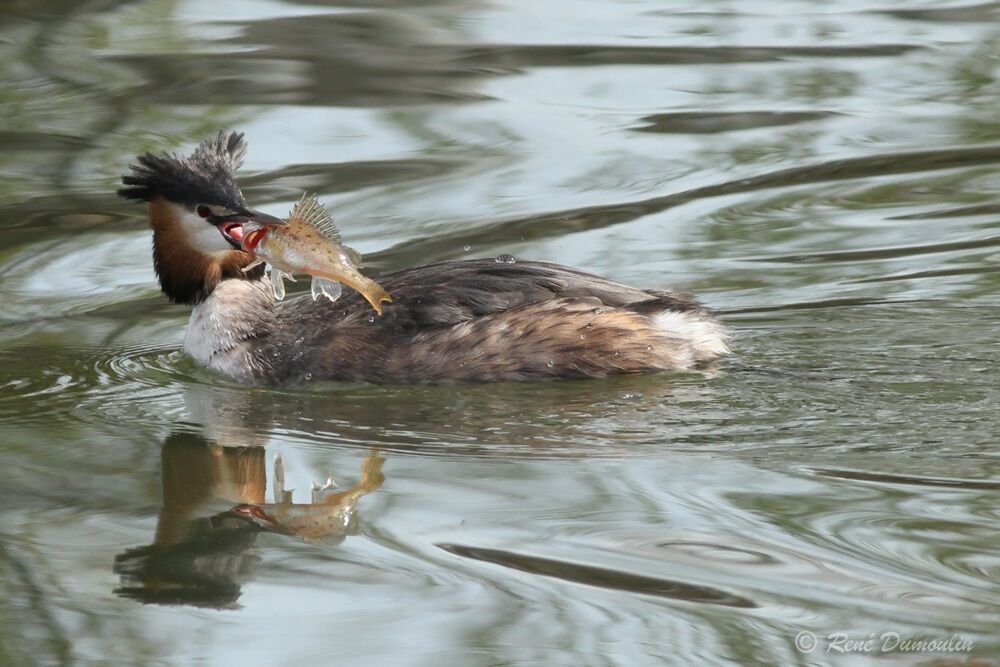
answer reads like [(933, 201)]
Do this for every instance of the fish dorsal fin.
[(310, 211)]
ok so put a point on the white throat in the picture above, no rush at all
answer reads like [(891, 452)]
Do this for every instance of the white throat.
[(202, 235)]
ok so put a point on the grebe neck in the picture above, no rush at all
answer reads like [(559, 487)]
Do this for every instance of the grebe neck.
[(231, 329)]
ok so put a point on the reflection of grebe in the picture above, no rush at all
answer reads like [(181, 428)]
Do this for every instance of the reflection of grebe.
[(201, 553), (477, 320)]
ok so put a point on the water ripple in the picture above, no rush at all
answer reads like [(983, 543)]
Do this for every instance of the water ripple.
[(97, 385), (596, 576), (708, 122), (561, 223)]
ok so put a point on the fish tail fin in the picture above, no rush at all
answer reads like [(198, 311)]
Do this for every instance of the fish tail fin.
[(328, 288), (380, 296), (373, 293)]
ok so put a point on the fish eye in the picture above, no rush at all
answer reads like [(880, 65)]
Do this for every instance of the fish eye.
[(203, 211)]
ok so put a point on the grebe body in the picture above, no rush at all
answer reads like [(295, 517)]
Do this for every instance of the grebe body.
[(460, 321)]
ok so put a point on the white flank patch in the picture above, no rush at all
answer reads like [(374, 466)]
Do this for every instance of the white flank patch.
[(706, 336)]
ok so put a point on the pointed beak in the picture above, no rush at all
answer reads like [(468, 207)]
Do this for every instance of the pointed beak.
[(263, 219)]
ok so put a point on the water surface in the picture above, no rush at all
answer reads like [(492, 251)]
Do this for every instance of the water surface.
[(825, 175)]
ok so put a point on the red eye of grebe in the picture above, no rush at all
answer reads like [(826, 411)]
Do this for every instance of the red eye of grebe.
[(203, 211)]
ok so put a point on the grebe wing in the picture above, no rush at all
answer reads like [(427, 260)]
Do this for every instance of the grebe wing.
[(449, 293), (453, 292)]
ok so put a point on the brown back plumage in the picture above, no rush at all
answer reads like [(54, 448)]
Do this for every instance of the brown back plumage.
[(479, 321)]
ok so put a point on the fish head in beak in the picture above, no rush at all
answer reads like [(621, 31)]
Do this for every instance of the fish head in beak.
[(235, 226)]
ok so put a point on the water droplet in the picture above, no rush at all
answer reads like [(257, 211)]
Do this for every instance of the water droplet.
[(549, 364), (649, 348), (505, 259), (582, 336), (598, 311), (371, 318), (590, 326), (308, 376), (467, 248)]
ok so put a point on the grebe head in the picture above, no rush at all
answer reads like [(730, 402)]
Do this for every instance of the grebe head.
[(197, 212)]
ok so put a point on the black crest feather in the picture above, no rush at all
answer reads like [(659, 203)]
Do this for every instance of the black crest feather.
[(207, 176)]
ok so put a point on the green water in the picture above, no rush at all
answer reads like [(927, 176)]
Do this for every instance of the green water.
[(826, 175)]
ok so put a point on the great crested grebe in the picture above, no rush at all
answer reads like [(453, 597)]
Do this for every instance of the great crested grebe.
[(461, 321)]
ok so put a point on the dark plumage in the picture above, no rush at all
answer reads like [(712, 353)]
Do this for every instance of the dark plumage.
[(479, 321), (205, 176)]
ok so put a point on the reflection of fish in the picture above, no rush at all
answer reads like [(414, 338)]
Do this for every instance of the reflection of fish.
[(310, 243), (330, 515)]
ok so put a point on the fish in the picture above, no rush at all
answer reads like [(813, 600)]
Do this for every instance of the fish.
[(327, 518), (310, 244)]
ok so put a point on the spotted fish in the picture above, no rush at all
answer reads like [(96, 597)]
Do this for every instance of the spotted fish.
[(310, 244)]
